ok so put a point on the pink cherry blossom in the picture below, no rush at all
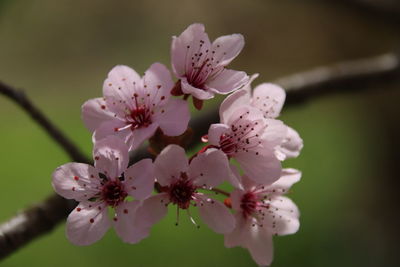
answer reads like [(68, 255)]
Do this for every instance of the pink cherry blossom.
[(133, 107), (245, 135), (269, 99), (180, 182), (261, 212), (200, 64), (107, 184)]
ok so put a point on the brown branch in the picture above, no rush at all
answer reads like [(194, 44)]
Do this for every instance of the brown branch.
[(56, 134), (339, 78)]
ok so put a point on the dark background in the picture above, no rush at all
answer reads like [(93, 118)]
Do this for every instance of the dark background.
[(61, 51)]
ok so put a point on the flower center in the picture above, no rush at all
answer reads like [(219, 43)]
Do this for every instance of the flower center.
[(113, 192), (248, 204), (227, 145), (181, 192), (140, 117)]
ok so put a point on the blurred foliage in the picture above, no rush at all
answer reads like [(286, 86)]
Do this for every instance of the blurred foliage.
[(60, 52)]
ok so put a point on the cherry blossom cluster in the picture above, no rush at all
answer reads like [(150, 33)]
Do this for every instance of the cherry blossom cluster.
[(245, 150)]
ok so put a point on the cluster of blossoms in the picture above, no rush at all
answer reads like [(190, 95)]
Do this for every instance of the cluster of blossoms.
[(245, 149)]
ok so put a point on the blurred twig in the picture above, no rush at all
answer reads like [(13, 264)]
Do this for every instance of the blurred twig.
[(338, 78), (55, 133)]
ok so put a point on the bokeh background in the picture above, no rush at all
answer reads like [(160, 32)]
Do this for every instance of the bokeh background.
[(60, 52)]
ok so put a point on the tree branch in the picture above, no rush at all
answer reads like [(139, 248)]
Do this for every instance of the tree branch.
[(338, 78), (67, 145)]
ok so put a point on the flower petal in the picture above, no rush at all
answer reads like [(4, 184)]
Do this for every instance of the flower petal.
[(111, 156), (232, 103), (288, 178), (76, 181), (151, 211), (216, 131), (139, 135), (263, 168), (87, 223), (124, 223), (269, 98), (216, 215), (227, 81), (199, 93), (259, 243), (227, 47), (274, 133), (95, 112), (174, 121), (112, 127), (291, 146), (193, 40), (237, 236), (284, 218), (139, 179), (170, 163), (209, 168), (121, 84), (157, 82)]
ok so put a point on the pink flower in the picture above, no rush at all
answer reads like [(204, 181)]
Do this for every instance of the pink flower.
[(107, 184), (180, 182), (133, 107), (245, 135), (261, 212), (200, 65), (269, 99)]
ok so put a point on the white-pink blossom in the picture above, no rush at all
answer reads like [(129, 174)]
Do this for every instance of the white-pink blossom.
[(245, 135), (261, 213), (108, 184), (133, 107), (180, 182), (269, 99), (201, 65)]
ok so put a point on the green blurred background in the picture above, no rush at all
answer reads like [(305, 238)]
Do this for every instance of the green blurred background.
[(60, 52)]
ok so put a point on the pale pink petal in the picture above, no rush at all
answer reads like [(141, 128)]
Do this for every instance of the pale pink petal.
[(112, 128), (216, 131), (199, 93), (246, 114), (234, 177), (209, 169), (186, 45), (274, 133), (247, 87), (175, 118), (238, 236), (157, 82), (284, 218), (288, 178), (216, 215), (263, 168), (87, 223), (76, 181), (95, 112), (227, 48), (124, 223), (236, 199), (111, 156), (151, 211), (232, 103), (291, 146), (139, 179), (139, 135), (259, 243), (269, 98), (227, 81), (121, 84), (170, 163)]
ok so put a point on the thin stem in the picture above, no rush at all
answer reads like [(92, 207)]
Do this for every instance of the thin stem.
[(220, 191)]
